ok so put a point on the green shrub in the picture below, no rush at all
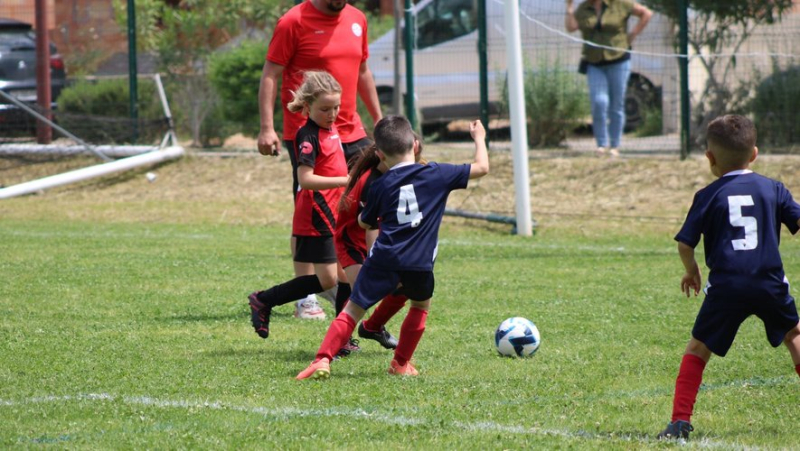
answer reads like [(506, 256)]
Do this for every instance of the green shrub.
[(99, 112), (236, 76), (556, 102), (653, 123), (774, 108)]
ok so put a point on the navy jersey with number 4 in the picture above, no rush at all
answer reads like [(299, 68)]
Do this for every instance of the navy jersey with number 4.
[(407, 204), (740, 216)]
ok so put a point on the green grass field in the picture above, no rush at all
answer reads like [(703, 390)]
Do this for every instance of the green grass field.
[(135, 334)]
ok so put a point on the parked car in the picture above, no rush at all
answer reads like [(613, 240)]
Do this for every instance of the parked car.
[(446, 68), (18, 73)]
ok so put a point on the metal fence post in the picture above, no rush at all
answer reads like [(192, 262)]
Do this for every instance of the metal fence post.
[(133, 70), (683, 63), (411, 109), (483, 63)]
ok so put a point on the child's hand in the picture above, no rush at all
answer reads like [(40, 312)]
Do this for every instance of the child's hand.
[(477, 131), (691, 281)]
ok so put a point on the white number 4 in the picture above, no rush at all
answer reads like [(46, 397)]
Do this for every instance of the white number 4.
[(407, 208), (750, 240)]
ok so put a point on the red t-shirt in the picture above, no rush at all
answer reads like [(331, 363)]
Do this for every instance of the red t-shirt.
[(350, 238), (306, 39), (315, 212)]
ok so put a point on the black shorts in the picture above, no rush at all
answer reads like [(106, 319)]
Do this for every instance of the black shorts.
[(725, 308), (373, 284), (353, 149), (314, 249)]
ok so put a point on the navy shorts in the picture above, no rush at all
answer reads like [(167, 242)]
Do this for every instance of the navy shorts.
[(373, 284), (725, 308), (314, 249)]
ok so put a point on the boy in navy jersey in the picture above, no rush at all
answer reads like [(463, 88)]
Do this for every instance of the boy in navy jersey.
[(740, 217), (406, 204)]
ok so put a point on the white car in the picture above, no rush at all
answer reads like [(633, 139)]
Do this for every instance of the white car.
[(446, 72)]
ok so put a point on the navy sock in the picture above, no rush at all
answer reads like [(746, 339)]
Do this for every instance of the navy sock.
[(342, 295)]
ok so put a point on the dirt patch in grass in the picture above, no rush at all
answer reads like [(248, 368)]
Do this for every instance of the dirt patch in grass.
[(242, 187)]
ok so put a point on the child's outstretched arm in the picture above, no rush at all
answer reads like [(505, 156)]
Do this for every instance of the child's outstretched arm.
[(481, 165), (309, 180), (692, 279)]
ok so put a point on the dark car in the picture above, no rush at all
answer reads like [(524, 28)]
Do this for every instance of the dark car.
[(18, 72)]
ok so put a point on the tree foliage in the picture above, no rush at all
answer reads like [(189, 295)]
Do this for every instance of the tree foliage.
[(184, 34), (717, 28)]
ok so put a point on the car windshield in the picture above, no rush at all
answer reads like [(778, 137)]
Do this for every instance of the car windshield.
[(442, 20), (17, 39)]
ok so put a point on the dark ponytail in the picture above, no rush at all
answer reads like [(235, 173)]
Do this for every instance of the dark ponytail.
[(366, 160)]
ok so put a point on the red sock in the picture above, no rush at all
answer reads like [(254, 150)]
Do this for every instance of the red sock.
[(797, 368), (687, 384), (410, 334), (385, 311), (338, 333)]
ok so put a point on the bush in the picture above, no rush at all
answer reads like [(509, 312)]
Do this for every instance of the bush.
[(236, 76), (774, 108), (556, 102), (99, 112)]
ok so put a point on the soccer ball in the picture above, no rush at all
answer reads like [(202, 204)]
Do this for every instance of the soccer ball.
[(517, 337)]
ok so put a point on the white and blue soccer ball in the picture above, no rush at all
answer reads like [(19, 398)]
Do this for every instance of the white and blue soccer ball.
[(517, 337)]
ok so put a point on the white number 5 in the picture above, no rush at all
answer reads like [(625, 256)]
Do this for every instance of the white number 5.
[(750, 240), (407, 207)]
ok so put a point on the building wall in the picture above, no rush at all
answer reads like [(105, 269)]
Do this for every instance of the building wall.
[(24, 11), (85, 31)]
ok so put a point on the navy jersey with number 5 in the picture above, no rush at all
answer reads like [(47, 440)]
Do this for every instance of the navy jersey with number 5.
[(407, 204), (740, 216)]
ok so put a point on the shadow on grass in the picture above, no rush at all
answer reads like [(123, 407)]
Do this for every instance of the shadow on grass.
[(243, 316)]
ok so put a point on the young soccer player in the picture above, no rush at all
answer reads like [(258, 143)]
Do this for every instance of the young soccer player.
[(406, 204), (351, 242), (739, 216), (322, 174)]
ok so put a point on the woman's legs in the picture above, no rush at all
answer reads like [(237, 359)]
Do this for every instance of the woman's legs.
[(599, 98), (607, 85), (617, 76)]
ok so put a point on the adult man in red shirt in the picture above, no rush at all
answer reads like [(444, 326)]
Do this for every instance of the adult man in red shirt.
[(328, 35)]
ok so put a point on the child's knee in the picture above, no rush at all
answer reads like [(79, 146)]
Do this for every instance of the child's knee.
[(698, 348), (792, 334), (422, 305)]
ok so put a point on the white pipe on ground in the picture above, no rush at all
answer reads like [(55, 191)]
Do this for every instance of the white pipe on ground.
[(116, 151), (158, 156)]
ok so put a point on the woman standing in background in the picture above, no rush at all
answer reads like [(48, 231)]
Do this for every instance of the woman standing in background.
[(607, 65)]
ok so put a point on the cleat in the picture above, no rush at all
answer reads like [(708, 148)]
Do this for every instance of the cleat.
[(350, 347), (319, 369), (259, 315), (676, 430), (383, 337), (308, 308), (404, 370)]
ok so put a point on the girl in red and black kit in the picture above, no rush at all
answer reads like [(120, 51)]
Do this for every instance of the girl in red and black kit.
[(322, 175), (352, 244)]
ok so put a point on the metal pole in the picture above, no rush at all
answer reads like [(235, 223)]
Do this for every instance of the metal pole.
[(44, 134), (483, 62), (397, 103), (133, 106), (519, 136), (683, 64), (410, 33), (50, 123)]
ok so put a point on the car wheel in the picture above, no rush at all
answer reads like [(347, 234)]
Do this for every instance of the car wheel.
[(640, 97)]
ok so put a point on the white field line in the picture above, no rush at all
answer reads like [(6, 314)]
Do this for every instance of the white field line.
[(388, 418)]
